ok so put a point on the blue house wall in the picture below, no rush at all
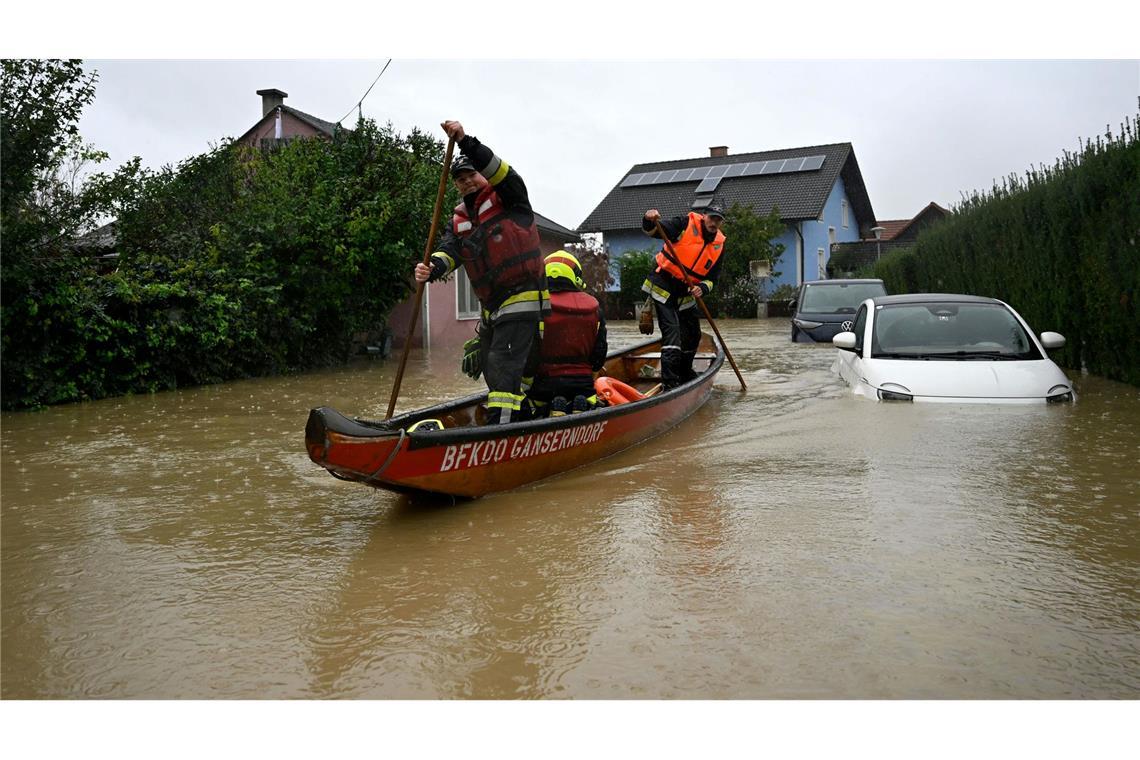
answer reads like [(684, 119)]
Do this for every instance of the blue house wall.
[(815, 236), (622, 241)]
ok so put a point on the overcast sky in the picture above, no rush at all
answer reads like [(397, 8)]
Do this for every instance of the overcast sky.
[(922, 131)]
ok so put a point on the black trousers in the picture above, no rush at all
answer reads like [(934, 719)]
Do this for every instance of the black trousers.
[(567, 386), (680, 336), (510, 351)]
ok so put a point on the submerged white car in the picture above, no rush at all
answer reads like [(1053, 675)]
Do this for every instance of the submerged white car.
[(949, 348)]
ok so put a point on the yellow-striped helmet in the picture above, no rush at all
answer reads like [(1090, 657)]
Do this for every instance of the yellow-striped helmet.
[(564, 265)]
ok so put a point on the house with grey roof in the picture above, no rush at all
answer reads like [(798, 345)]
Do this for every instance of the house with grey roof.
[(818, 190)]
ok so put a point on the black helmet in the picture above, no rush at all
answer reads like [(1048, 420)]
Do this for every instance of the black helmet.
[(461, 164), (710, 210)]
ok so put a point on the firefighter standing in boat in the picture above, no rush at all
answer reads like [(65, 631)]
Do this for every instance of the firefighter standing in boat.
[(698, 242), (573, 343), (493, 236)]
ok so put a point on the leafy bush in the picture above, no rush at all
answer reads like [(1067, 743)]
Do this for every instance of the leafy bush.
[(635, 266), (897, 270)]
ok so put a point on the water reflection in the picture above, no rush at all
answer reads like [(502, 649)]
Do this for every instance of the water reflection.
[(788, 542)]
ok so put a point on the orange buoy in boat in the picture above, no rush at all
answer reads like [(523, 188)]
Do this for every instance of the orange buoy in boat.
[(616, 392)]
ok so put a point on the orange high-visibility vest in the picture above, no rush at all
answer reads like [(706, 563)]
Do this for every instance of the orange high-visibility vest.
[(691, 250)]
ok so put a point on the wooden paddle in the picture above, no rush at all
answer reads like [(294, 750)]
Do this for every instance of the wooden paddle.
[(420, 285), (672, 256)]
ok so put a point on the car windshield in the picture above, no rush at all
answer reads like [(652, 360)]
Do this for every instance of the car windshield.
[(840, 297), (949, 331)]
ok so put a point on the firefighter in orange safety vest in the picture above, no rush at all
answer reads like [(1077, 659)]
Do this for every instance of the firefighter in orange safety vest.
[(493, 236), (573, 343), (698, 243)]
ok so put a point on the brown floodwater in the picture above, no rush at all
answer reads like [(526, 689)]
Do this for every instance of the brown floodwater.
[(791, 542)]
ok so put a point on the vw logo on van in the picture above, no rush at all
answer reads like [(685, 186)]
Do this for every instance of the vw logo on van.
[(846, 326)]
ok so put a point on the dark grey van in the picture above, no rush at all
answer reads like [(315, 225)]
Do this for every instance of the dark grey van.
[(825, 308)]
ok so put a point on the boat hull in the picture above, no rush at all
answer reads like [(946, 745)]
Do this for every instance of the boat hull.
[(474, 460)]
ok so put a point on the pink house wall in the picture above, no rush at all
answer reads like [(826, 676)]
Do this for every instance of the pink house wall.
[(291, 126)]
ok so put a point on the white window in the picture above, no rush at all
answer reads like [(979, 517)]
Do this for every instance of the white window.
[(466, 302), (821, 263), (845, 215), (831, 236)]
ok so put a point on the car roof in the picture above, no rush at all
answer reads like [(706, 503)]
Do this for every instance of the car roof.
[(843, 282), (932, 298)]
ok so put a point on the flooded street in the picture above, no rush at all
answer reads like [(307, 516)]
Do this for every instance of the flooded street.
[(791, 542)]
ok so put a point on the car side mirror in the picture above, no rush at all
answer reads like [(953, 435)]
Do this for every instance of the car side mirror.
[(1052, 340), (844, 340)]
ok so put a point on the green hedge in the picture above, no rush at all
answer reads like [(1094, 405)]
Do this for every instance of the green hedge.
[(1061, 245), (236, 263)]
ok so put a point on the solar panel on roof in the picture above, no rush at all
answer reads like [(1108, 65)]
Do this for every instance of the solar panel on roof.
[(709, 176), (811, 163), (708, 185)]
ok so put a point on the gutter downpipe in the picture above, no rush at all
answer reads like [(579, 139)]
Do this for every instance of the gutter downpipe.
[(800, 254)]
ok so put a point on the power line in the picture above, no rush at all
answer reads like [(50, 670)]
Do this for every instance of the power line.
[(365, 95)]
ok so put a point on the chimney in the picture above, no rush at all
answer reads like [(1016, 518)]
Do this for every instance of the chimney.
[(270, 99), (718, 151)]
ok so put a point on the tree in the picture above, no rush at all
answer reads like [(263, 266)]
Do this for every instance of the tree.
[(595, 261), (748, 237), (52, 302), (42, 101)]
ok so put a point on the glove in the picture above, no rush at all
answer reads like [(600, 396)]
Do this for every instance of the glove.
[(472, 364)]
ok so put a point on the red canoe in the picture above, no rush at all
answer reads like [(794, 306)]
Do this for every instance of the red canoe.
[(469, 459)]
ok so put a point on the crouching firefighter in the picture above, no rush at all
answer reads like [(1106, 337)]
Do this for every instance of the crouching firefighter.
[(494, 238), (573, 342), (698, 243)]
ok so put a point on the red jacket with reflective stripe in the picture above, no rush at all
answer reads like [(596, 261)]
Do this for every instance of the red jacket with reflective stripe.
[(501, 256)]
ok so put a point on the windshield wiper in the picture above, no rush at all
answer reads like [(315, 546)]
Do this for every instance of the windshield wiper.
[(999, 355), (889, 355), (949, 355)]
